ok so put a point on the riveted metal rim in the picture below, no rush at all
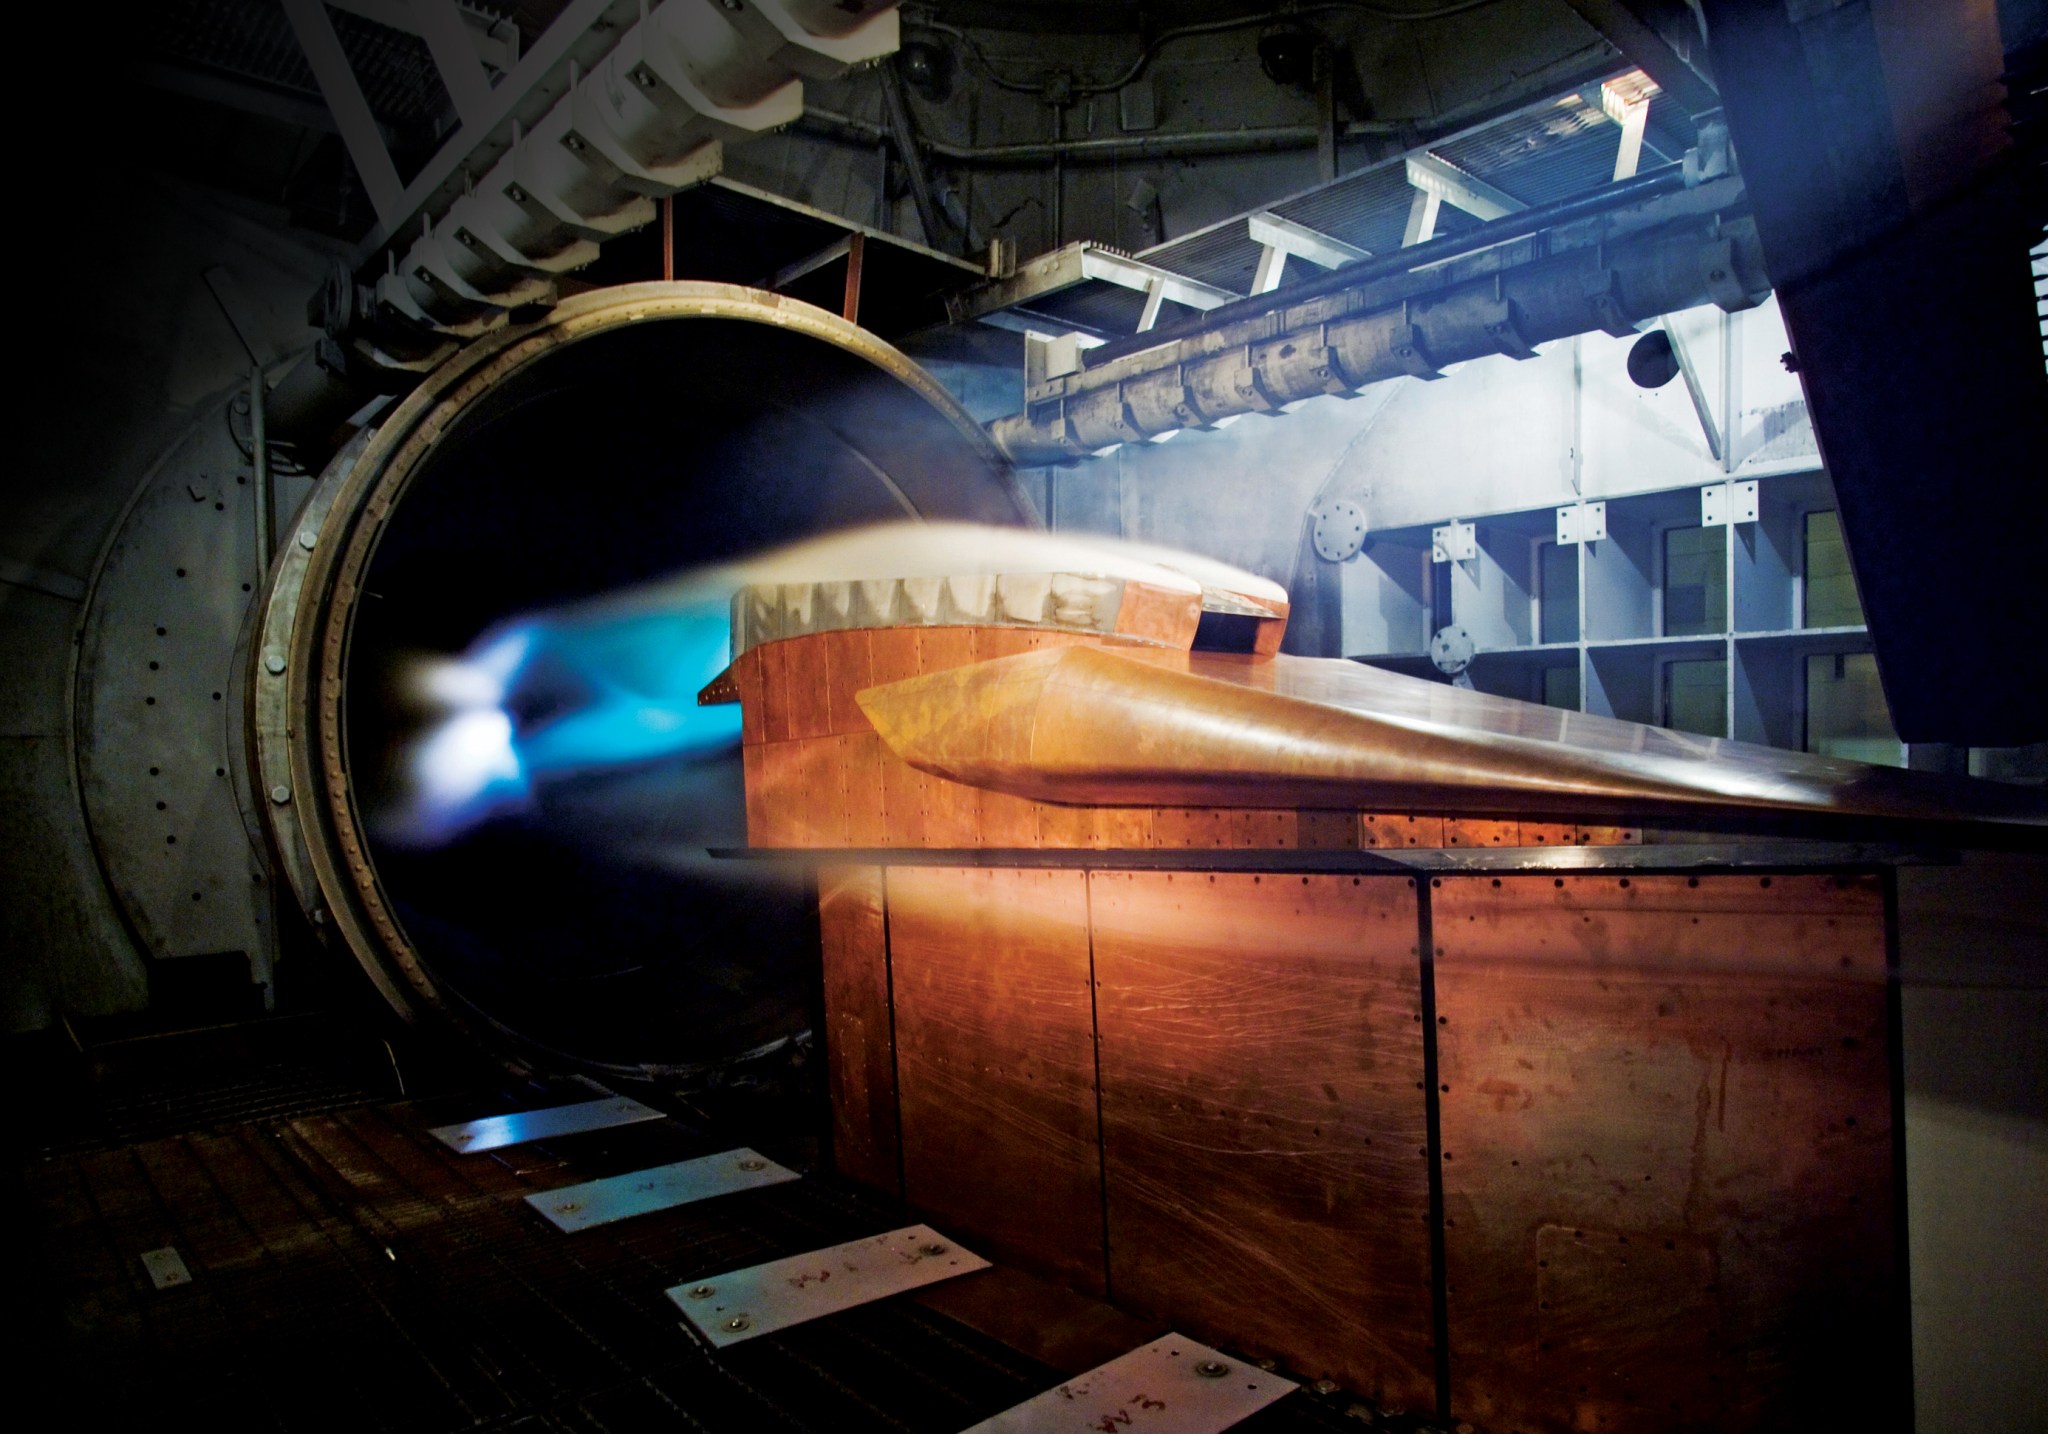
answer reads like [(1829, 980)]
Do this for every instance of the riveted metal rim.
[(360, 497)]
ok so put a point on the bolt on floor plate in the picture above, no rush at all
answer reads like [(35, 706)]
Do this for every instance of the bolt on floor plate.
[(1171, 1386), (641, 1192), (761, 1299), (166, 1268), (494, 1132)]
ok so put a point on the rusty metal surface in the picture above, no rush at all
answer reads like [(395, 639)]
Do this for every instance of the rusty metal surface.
[(1156, 726), (996, 1062), (1667, 1152), (1262, 1118)]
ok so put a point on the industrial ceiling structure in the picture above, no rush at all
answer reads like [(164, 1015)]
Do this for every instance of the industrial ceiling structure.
[(882, 595)]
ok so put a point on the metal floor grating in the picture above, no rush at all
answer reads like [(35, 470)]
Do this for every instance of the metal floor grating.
[(348, 1272)]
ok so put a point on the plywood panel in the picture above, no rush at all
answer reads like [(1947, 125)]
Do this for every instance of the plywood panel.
[(1263, 1117), (996, 1063), (860, 1051), (1666, 1132)]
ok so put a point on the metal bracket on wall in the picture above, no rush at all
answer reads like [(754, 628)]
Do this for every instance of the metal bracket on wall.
[(1725, 503), (1581, 523), (1454, 542)]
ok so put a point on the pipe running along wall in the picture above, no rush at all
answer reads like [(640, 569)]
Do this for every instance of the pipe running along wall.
[(634, 434), (1344, 330)]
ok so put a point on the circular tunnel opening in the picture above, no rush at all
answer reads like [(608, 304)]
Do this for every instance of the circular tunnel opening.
[(548, 533)]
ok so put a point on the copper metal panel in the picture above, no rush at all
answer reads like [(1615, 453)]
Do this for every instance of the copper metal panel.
[(860, 761), (952, 813), (762, 819), (1476, 831), (1124, 828), (849, 667), (996, 1062), (940, 649), (1666, 1134), (893, 653), (1323, 830), (860, 1051), (1200, 827), (1007, 821), (774, 692), (746, 676), (1269, 830), (803, 792), (807, 678), (1263, 1125), (1066, 827), (1548, 834), (1159, 615), (1607, 836), (903, 800), (1402, 830)]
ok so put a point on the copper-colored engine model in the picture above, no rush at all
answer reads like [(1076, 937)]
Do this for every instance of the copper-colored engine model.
[(1599, 1146)]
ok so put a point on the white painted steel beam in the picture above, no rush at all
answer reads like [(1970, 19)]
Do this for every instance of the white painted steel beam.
[(440, 24), (1318, 248), (344, 95), (1136, 274), (1434, 175)]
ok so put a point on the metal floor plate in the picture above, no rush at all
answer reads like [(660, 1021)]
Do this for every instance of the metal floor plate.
[(1171, 1386), (762, 1299), (641, 1192), (493, 1132), (166, 1268)]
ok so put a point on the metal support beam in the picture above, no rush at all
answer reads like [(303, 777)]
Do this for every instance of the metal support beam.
[(448, 40), (1155, 296), (1320, 249), (1434, 175), (1688, 371), (495, 40), (903, 134), (856, 251), (344, 95), (1422, 212), (1633, 119), (1272, 269), (1136, 274), (1647, 47)]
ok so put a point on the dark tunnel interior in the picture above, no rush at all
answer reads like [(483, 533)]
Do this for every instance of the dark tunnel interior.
[(586, 922)]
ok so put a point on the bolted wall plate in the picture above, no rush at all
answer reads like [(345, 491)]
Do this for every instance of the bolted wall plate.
[(1581, 523), (1724, 503), (1454, 542), (1452, 650), (1339, 531)]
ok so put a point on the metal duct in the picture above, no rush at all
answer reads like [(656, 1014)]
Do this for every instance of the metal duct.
[(1329, 338), (633, 433)]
